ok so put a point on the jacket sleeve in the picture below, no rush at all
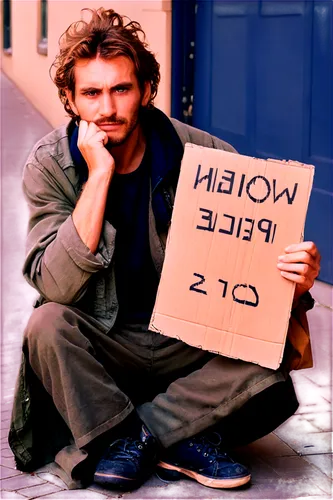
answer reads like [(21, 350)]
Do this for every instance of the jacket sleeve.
[(298, 353), (58, 264)]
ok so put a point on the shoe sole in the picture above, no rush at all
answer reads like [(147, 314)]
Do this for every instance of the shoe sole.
[(113, 481), (206, 481)]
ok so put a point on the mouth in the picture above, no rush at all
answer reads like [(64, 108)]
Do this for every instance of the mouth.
[(109, 126)]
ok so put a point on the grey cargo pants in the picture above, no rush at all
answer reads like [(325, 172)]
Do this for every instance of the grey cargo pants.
[(97, 379)]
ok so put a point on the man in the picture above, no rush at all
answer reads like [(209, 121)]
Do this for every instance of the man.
[(98, 393)]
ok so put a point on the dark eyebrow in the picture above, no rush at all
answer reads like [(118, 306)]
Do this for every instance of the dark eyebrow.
[(115, 87), (122, 84), (89, 89)]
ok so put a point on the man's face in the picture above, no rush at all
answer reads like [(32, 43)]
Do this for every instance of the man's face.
[(107, 93)]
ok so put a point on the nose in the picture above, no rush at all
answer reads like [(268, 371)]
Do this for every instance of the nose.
[(107, 105)]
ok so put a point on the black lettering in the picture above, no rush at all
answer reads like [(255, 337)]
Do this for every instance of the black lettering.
[(290, 198), (244, 301), (266, 230), (225, 288), (239, 227), (209, 218), (253, 181), (241, 186), (273, 233), (248, 231), (231, 181), (207, 177), (197, 283), (213, 189), (232, 224)]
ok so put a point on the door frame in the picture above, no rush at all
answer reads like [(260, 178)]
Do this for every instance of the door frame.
[(183, 58)]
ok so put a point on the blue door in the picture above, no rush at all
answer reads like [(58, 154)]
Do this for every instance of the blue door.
[(263, 82)]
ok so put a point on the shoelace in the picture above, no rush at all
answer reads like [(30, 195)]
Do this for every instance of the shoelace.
[(208, 447), (125, 448)]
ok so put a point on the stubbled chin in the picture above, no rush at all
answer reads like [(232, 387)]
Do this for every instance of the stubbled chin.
[(120, 139), (115, 141)]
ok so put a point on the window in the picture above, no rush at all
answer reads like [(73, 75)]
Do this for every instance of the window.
[(43, 18), (7, 42)]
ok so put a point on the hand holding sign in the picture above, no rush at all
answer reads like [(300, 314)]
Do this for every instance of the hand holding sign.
[(301, 264)]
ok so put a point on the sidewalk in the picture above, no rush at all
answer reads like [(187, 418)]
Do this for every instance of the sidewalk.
[(293, 462)]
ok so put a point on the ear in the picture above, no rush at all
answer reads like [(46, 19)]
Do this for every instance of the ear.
[(146, 94), (71, 101)]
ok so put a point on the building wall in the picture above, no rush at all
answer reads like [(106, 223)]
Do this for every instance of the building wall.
[(30, 70)]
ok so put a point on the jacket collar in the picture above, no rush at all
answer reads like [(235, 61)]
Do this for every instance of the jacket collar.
[(166, 147)]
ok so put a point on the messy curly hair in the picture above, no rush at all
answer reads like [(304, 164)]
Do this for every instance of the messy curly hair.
[(107, 35)]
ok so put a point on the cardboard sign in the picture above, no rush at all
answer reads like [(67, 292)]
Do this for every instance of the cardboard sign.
[(220, 288)]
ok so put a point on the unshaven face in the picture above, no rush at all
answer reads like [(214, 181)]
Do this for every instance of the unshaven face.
[(107, 93)]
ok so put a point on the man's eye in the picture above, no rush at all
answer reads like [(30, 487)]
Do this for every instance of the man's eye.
[(90, 93), (121, 90)]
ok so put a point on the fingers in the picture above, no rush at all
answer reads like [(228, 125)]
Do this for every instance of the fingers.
[(83, 127), (303, 284), (91, 142), (90, 134), (300, 268), (299, 279), (306, 254), (306, 246), (300, 264), (304, 257)]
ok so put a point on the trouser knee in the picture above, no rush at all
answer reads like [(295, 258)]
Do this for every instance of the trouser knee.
[(47, 327), (261, 414)]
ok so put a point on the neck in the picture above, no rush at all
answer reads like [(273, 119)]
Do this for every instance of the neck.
[(128, 156)]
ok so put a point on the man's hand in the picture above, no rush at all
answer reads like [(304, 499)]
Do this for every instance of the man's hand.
[(301, 264), (91, 142), (88, 215)]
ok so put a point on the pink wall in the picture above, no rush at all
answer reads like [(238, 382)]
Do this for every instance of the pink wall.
[(30, 70)]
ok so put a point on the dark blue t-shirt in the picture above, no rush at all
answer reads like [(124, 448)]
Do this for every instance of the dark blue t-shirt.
[(128, 211)]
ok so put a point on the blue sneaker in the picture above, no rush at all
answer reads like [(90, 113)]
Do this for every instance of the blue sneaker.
[(128, 462), (203, 459)]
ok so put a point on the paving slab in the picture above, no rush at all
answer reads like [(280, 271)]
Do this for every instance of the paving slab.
[(39, 490), (112, 493), (308, 443), (323, 294), (12, 495), (268, 446), (6, 472), (305, 423), (288, 489), (75, 494), (261, 471), (51, 478), (323, 462), (6, 404), (321, 480), (185, 489), (22, 481), (8, 462), (294, 467), (5, 414), (294, 462)]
